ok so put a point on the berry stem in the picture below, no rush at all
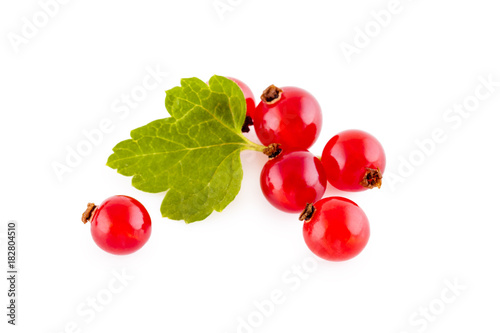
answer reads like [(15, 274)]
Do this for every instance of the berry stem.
[(271, 151), (252, 145)]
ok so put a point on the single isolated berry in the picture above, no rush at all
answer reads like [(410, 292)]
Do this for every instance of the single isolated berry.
[(120, 225), (335, 228), (249, 98), (289, 116), (354, 161), (292, 179)]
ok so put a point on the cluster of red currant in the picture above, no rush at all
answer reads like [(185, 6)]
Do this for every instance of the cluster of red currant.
[(294, 180), (288, 121)]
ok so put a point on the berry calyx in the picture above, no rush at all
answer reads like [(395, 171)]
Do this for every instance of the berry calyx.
[(246, 125), (372, 178), (273, 150), (120, 225), (88, 213), (271, 95), (289, 116), (307, 213), (335, 228), (293, 179), (354, 161)]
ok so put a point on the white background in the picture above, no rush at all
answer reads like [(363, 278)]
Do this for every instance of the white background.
[(439, 223)]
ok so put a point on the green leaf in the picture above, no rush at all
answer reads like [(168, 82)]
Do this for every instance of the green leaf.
[(194, 154)]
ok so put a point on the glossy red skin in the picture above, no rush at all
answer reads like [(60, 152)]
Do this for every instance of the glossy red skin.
[(294, 121), (292, 180), (121, 225), (338, 230), (346, 157), (249, 98)]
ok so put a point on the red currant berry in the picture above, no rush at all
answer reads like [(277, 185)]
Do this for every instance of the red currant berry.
[(289, 116), (120, 225), (335, 228), (249, 98), (291, 180), (354, 161)]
